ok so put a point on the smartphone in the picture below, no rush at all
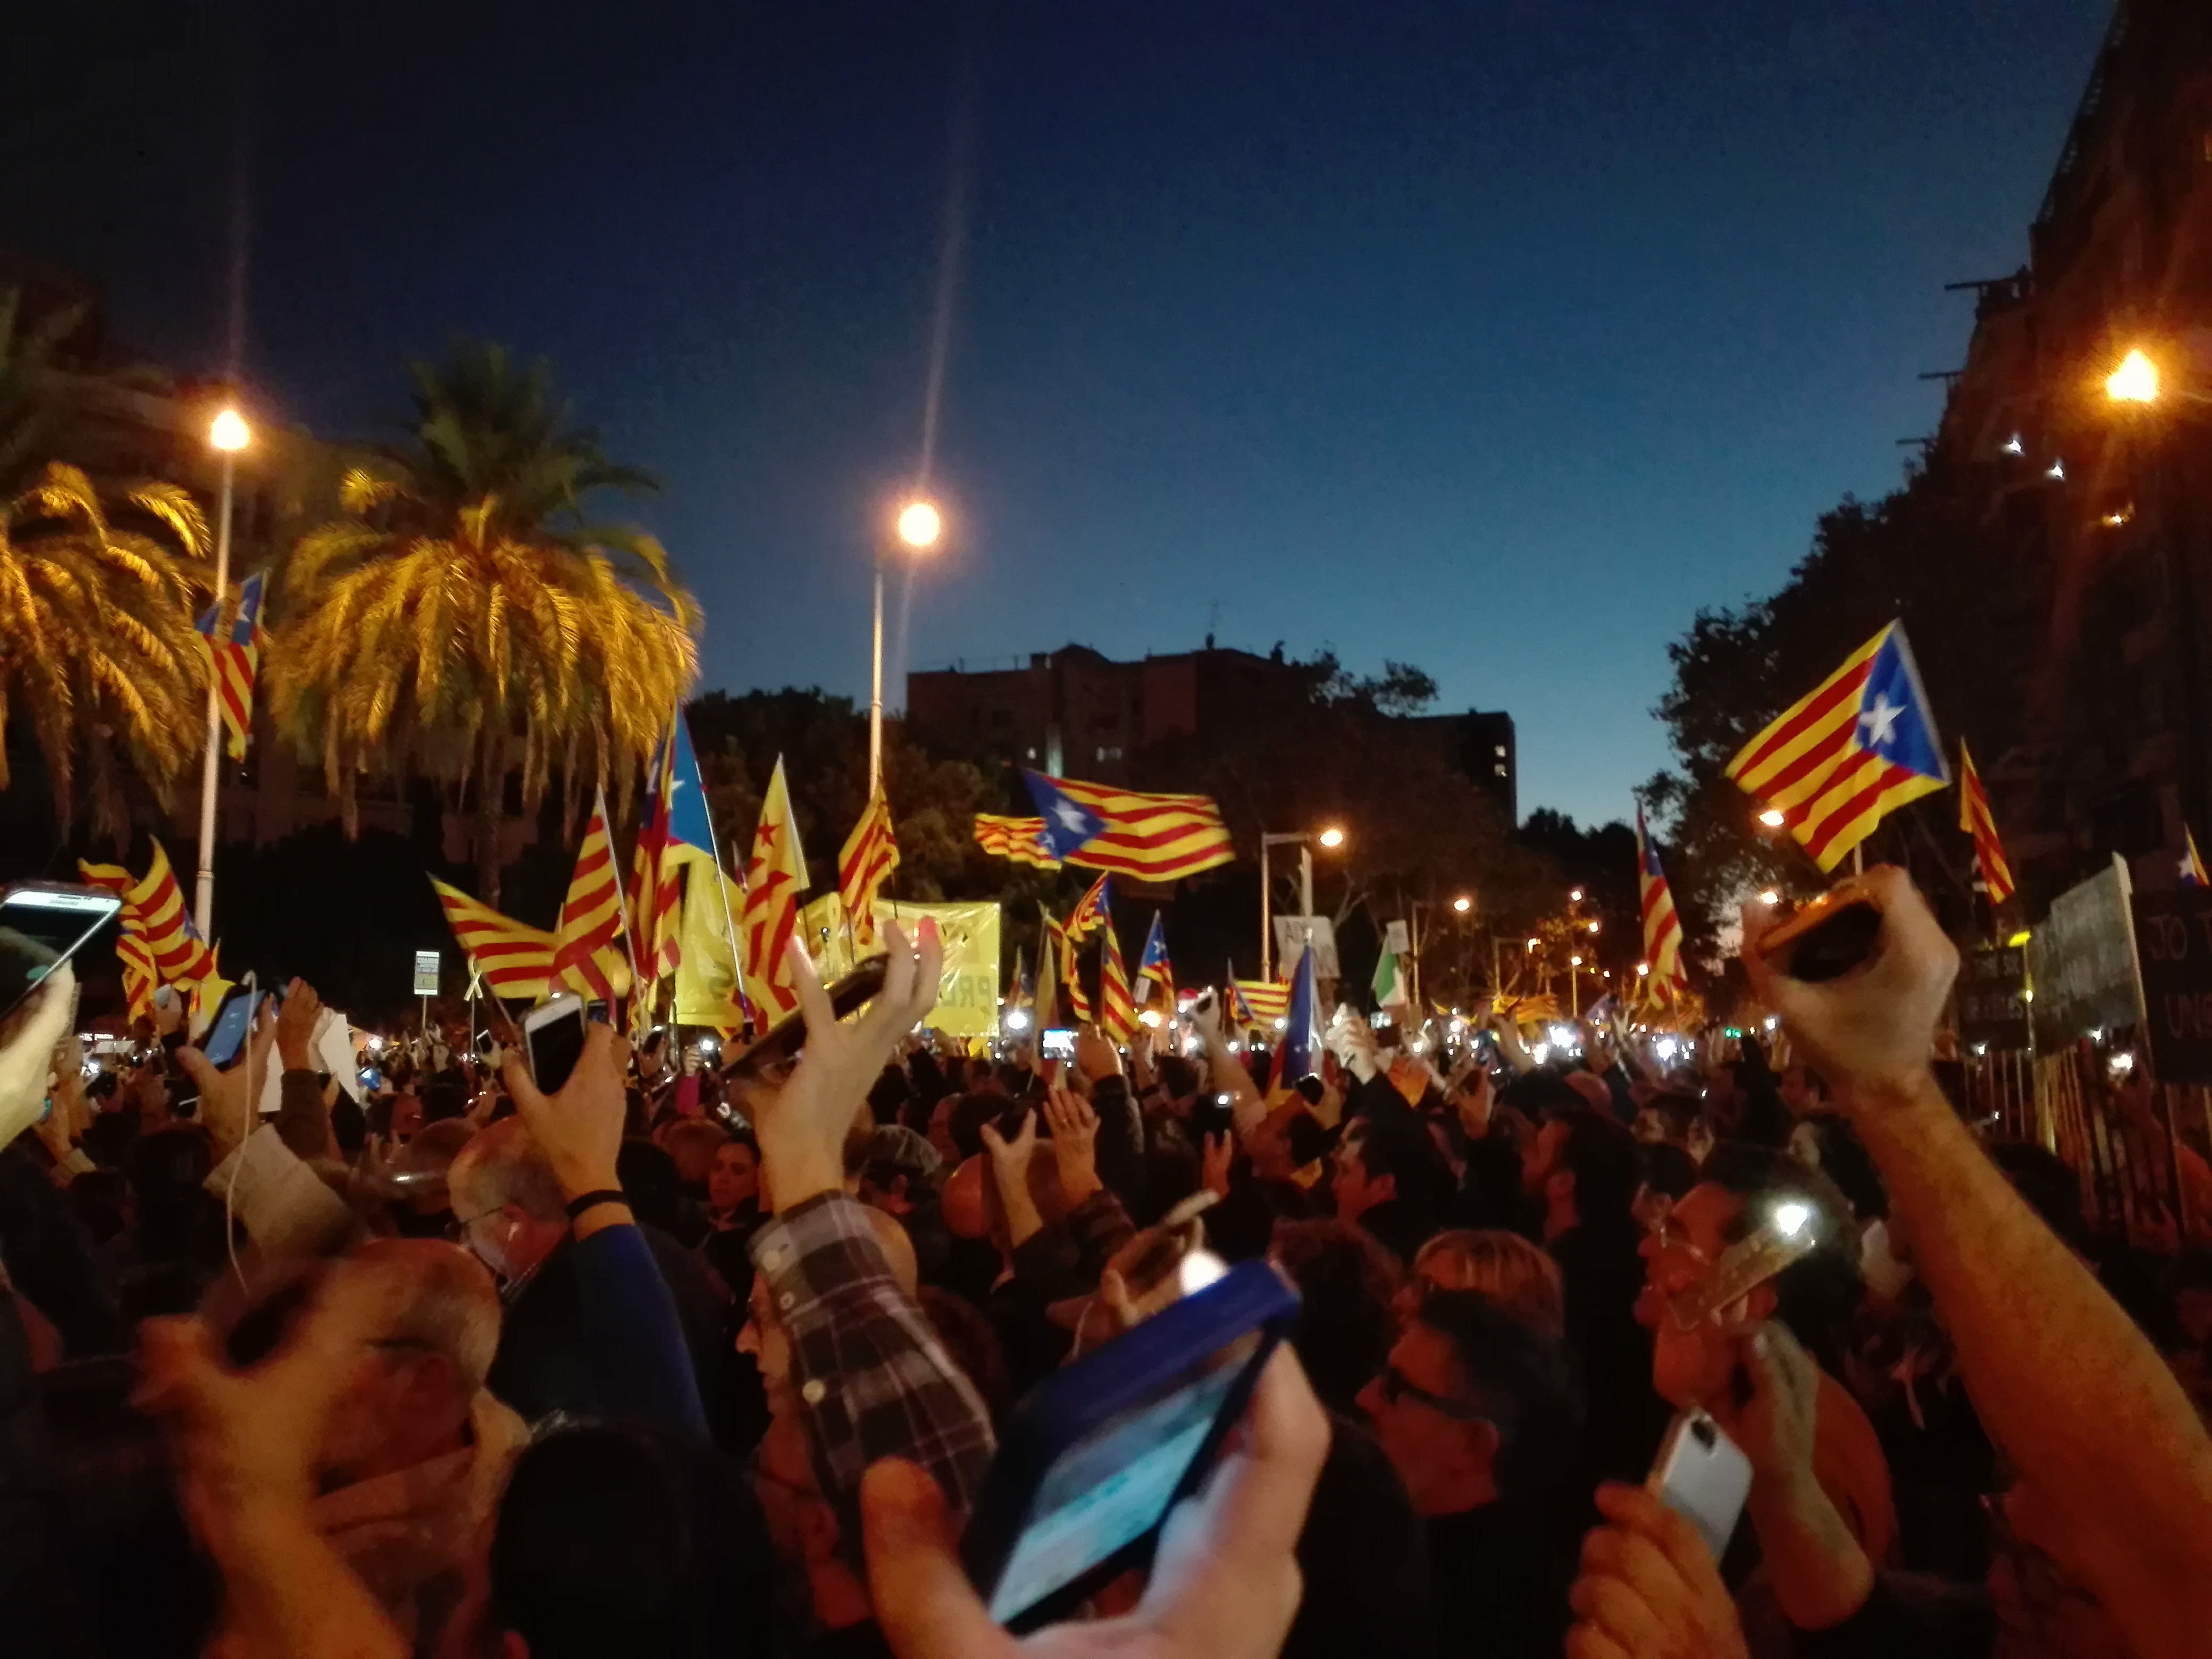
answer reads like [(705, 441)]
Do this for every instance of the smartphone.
[(42, 925), (1703, 1476), (1094, 1458), (553, 1040), (1059, 1044), (225, 1032), (788, 1036), (371, 1079), (1825, 937)]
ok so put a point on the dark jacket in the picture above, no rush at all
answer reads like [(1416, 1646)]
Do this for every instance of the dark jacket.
[(1602, 1274)]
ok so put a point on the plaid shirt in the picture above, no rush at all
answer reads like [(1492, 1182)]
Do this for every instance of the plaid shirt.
[(868, 1367)]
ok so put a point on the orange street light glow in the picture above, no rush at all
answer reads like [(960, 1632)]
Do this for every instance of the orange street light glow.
[(229, 430), (1462, 904), (2135, 382), (1332, 836), (1772, 817)]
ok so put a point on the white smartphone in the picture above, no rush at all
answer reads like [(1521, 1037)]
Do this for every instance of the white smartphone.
[(42, 925), (553, 1040), (1703, 1476)]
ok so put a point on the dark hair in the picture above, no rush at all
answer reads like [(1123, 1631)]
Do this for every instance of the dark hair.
[(97, 1197), (1520, 1382), (1606, 1162), (650, 1182), (615, 1541), (972, 1341), (1345, 1281), (969, 1114), (887, 1093), (1668, 1170), (1678, 1112), (1398, 1146), (1178, 1077), (443, 1097), (1542, 1094)]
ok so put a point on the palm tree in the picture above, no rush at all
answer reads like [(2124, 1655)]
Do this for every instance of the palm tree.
[(462, 616), (96, 644)]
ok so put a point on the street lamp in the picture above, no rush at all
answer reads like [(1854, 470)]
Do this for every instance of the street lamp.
[(227, 434), (919, 525), (1773, 818), (2135, 382), (1332, 838), (1462, 904), (1574, 895)]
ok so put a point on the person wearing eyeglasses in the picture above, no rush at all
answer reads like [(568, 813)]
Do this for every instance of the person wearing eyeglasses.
[(1478, 1413)]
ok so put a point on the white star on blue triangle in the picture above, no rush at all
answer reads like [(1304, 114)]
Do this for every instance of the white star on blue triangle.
[(1067, 823)]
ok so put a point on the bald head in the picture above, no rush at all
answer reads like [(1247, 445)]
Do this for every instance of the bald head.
[(502, 1167)]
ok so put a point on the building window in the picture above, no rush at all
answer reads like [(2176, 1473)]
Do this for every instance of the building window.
[(1499, 768), (1498, 750), (1032, 751)]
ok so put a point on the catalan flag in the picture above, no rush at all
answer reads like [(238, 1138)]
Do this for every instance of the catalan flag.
[(232, 661), (869, 855), (1070, 976), (1047, 977), (1663, 927), (1153, 964), (139, 980), (513, 958), (153, 911), (1021, 840), (1093, 909), (775, 878), (1263, 1004), (2192, 867), (675, 833), (1151, 837), (1975, 819), (585, 958), (1860, 744), (1117, 1009)]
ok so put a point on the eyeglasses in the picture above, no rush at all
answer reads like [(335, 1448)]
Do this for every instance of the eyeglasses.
[(1397, 1386)]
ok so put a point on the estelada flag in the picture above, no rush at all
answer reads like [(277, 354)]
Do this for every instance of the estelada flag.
[(1151, 837), (1856, 748), (1975, 819), (513, 958), (233, 660), (585, 958), (1117, 1009), (1093, 909), (154, 912), (1070, 974), (675, 833), (1153, 964), (1021, 840), (775, 876), (1663, 927), (868, 857)]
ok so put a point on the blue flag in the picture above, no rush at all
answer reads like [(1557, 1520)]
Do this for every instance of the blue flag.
[(1301, 1043)]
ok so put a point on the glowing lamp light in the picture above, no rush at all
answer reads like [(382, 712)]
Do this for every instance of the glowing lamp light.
[(1462, 904), (1332, 836), (1282, 1024), (1574, 961), (1532, 945), (1594, 928), (1791, 1217), (1770, 898), (1018, 1020), (2056, 469), (1574, 895), (229, 430), (2013, 446), (1643, 970), (1773, 818), (1151, 1016), (2135, 382), (919, 525), (2122, 1062)]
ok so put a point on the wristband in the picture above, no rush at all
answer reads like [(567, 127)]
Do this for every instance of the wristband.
[(591, 1200)]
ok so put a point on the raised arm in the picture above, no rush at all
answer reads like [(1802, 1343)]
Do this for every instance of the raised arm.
[(2089, 1414)]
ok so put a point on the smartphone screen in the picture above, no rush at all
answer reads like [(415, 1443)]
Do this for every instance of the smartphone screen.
[(41, 928), (227, 1034), (1060, 1045), (1108, 1489), (554, 1048)]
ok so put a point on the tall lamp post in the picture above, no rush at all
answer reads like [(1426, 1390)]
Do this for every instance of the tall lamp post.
[(1302, 840), (919, 525), (228, 434)]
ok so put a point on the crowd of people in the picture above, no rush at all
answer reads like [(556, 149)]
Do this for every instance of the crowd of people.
[(676, 1362)]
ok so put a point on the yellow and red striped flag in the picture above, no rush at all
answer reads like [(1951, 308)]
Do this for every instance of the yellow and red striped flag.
[(1264, 1003), (1663, 927), (1856, 748), (585, 958), (154, 909), (1117, 1009), (775, 878), (139, 980), (513, 958), (1151, 837), (868, 857), (1021, 840), (1975, 819), (1093, 909), (233, 660), (1070, 977)]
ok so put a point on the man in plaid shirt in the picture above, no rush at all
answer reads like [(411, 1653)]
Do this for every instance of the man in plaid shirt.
[(866, 1370)]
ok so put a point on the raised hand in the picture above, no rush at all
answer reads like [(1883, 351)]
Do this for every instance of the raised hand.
[(579, 1127), (1010, 1169), (230, 1097), (1649, 1587), (801, 1126), (1095, 1057), (1074, 1143), (1214, 1162), (1224, 1585), (296, 1026), (1873, 1029)]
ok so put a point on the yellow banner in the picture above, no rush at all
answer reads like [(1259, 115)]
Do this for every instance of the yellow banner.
[(967, 995)]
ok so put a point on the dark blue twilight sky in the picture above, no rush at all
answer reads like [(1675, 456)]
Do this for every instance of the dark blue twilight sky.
[(1497, 337)]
